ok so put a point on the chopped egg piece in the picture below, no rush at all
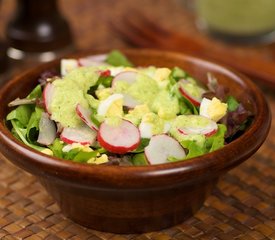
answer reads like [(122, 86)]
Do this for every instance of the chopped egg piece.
[(113, 121), (135, 115), (162, 76), (68, 65), (117, 70), (164, 113), (98, 160), (47, 151), (213, 109), (151, 125), (145, 129), (69, 147), (111, 106), (130, 69), (104, 93)]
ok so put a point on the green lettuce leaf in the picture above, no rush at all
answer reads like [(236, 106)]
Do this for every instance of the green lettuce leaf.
[(143, 143), (139, 160), (186, 107), (71, 154), (57, 147), (211, 144), (84, 156), (33, 125), (22, 114), (116, 58), (77, 155), (176, 75), (21, 133), (106, 81), (217, 140), (194, 150), (35, 93), (232, 104)]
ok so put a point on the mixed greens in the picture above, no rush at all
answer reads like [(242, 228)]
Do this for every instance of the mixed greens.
[(103, 110)]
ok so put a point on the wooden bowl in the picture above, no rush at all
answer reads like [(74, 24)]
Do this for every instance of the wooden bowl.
[(129, 199)]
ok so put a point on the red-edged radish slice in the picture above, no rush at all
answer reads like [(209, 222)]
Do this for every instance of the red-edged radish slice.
[(186, 89), (83, 135), (85, 114), (161, 147), (119, 139), (199, 125), (94, 60), (47, 96), (47, 130), (67, 65), (126, 76)]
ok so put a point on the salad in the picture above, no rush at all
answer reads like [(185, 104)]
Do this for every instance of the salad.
[(102, 109)]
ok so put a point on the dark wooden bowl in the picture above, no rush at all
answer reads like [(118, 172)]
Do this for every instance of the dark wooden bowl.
[(137, 199)]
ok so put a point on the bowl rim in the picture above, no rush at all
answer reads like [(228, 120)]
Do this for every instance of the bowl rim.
[(208, 165)]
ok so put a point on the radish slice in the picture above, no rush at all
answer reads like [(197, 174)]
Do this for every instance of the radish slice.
[(47, 130), (161, 147), (94, 60), (85, 114), (126, 76), (129, 77), (185, 90), (129, 101), (47, 96), (59, 128), (83, 135), (192, 127), (116, 70), (119, 139)]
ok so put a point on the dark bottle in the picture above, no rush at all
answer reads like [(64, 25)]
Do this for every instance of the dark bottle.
[(36, 28), (3, 58)]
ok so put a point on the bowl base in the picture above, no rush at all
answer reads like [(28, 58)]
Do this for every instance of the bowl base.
[(125, 211)]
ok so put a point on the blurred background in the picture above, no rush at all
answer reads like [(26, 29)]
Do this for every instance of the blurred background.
[(230, 33), (89, 19)]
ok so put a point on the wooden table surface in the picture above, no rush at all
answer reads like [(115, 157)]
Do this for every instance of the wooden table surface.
[(242, 206)]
